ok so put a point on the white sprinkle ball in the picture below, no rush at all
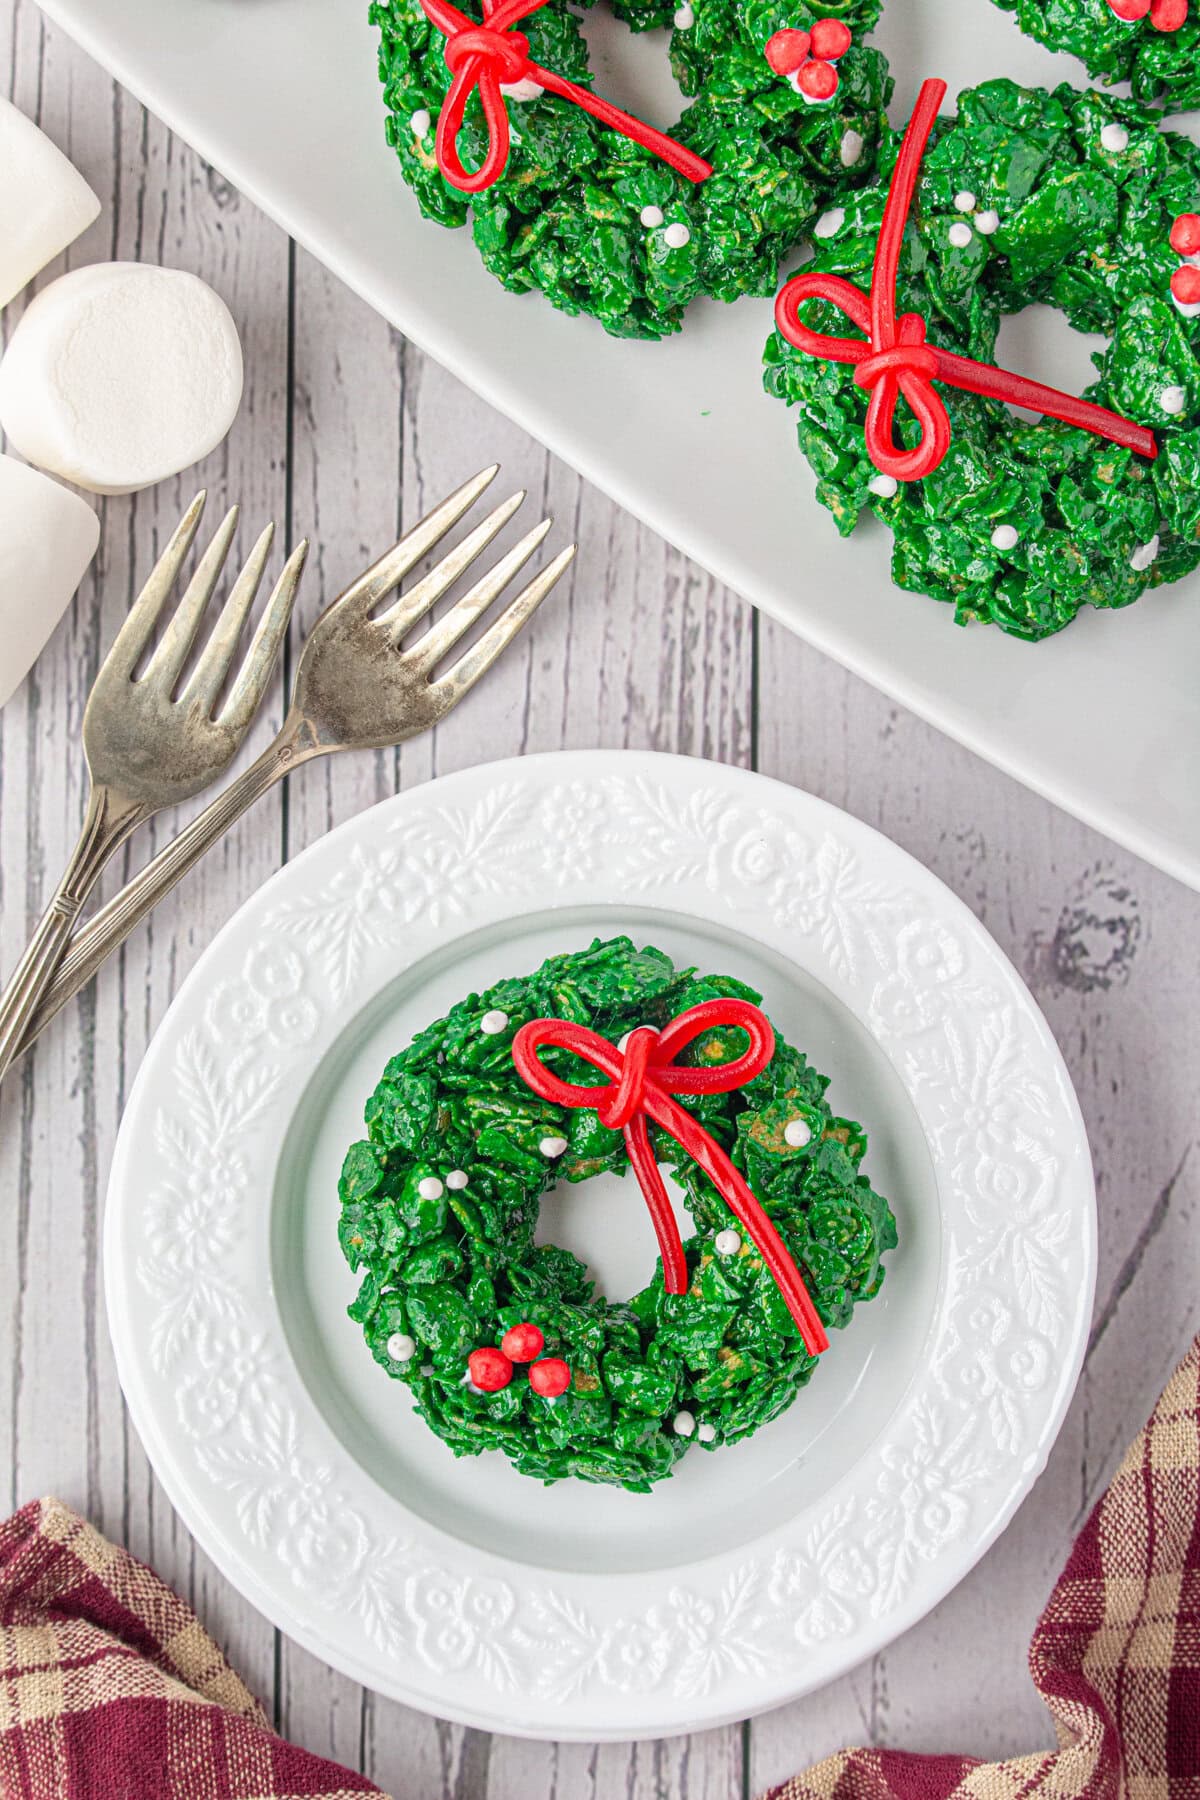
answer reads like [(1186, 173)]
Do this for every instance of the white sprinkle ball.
[(853, 145), (521, 90), (964, 201), (960, 235), (797, 1133), (1172, 400), (420, 122), (400, 1347), (1115, 138), (430, 1188), (493, 1023), (988, 222), (676, 236), (685, 18), (830, 223), (456, 1179), (886, 487), (1005, 537), (684, 1424), (427, 1369), (727, 1243), (552, 1146), (1145, 555), (707, 1433), (651, 216)]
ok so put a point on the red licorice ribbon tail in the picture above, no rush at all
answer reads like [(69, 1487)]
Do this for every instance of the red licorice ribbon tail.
[(482, 56), (641, 1081), (670, 1244), (892, 357)]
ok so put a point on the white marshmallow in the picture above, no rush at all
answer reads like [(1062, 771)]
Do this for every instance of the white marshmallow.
[(120, 375), (44, 201), (48, 536)]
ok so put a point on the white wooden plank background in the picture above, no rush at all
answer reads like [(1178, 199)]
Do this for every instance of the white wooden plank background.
[(345, 434)]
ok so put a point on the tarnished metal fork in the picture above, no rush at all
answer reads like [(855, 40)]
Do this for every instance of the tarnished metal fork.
[(355, 689), (147, 747)]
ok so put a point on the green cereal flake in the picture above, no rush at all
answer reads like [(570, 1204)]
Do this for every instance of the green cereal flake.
[(456, 1270), (565, 216), (1082, 228)]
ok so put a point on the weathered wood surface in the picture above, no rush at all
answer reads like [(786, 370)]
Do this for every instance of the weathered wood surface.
[(346, 433)]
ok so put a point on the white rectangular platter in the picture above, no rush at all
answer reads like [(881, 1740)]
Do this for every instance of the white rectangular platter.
[(282, 97)]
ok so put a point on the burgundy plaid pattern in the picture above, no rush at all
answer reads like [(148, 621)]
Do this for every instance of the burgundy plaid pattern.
[(111, 1689), (1115, 1656)]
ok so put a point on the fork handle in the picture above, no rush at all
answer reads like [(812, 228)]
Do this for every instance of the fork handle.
[(114, 922), (108, 822)]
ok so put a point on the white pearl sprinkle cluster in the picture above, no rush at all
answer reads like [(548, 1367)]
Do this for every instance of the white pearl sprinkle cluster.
[(684, 1426), (986, 223), (676, 234)]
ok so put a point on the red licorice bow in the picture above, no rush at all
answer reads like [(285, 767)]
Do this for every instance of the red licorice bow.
[(486, 55), (641, 1080), (893, 358)]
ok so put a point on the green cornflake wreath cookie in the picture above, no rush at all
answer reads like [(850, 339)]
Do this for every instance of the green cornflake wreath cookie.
[(1155, 44), (439, 1208), (1076, 200), (597, 222)]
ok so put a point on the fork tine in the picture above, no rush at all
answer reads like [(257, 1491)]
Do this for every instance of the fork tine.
[(445, 633), (496, 639), (421, 596), (179, 636), (263, 653), (204, 683), (143, 615), (394, 564)]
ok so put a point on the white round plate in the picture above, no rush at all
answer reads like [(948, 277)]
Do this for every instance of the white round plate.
[(753, 1574)]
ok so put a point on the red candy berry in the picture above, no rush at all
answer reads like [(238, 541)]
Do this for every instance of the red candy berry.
[(1130, 10), (1168, 15), (550, 1377), (489, 1369), (830, 39), (786, 51), (1185, 285), (819, 80), (523, 1342), (1185, 234)]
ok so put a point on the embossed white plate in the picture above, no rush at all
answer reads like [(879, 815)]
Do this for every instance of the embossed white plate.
[(755, 1573)]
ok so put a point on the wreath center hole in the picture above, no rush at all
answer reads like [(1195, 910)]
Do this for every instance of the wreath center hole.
[(604, 1222), (1040, 343), (632, 69)]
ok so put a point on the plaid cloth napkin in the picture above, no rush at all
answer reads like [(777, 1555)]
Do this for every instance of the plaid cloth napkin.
[(110, 1689), (1115, 1655)]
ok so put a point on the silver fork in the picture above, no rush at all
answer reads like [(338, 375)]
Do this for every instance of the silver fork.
[(147, 749), (355, 689)]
